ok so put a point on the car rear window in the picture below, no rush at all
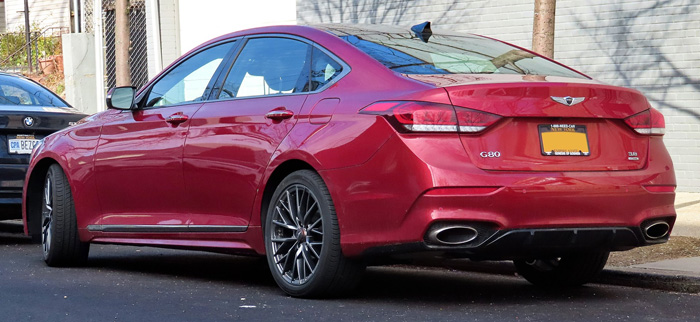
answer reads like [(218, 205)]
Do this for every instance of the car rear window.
[(452, 54)]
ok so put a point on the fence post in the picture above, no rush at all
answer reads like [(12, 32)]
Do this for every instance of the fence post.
[(27, 33), (98, 29)]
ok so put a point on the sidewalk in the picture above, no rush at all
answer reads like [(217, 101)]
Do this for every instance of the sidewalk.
[(681, 274)]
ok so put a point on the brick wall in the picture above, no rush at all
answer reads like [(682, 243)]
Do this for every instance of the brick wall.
[(652, 46)]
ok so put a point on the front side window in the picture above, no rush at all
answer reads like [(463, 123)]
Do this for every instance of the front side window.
[(188, 81), (268, 66)]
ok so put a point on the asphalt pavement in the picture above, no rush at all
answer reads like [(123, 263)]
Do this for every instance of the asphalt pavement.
[(140, 283), (126, 283)]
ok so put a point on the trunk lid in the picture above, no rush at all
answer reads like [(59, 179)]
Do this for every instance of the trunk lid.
[(539, 134), (21, 127)]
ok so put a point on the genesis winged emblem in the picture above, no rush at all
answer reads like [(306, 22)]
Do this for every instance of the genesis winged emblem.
[(568, 100)]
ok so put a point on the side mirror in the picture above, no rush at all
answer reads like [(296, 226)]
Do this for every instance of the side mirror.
[(121, 98)]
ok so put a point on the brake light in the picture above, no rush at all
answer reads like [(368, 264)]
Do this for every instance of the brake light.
[(649, 122), (411, 116)]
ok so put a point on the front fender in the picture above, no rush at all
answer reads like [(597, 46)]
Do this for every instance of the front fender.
[(73, 149)]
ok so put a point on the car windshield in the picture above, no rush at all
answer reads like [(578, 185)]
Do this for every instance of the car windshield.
[(15, 91), (452, 54)]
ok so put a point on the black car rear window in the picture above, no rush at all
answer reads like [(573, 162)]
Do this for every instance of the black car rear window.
[(16, 91), (452, 54)]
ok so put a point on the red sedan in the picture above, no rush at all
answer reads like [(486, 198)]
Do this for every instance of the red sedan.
[(331, 147)]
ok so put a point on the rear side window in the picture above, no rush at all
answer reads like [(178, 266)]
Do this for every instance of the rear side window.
[(268, 66), (323, 69), (449, 54)]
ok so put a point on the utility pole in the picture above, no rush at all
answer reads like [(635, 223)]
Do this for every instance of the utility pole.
[(28, 37), (543, 28), (121, 43)]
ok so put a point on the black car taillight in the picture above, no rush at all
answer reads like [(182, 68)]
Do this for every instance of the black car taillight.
[(649, 122), (414, 116)]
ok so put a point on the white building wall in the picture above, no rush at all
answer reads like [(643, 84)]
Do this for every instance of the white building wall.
[(170, 30), (483, 17), (163, 31), (2, 17), (651, 46), (648, 45), (42, 13), (201, 20)]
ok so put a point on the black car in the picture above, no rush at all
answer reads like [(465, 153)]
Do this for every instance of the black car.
[(28, 113)]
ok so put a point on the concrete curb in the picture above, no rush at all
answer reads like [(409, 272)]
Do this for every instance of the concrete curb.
[(664, 280), (650, 278)]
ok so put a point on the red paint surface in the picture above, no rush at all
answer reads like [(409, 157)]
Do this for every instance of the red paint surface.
[(133, 167)]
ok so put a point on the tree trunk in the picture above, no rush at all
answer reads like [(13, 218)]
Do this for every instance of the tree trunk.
[(121, 43), (543, 28)]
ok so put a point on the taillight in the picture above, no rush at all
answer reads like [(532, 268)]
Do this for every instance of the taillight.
[(471, 121), (411, 116), (649, 122)]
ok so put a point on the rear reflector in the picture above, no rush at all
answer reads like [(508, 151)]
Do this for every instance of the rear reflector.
[(649, 122), (412, 116), (660, 188), (462, 191)]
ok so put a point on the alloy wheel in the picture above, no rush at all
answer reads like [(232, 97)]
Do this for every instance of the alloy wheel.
[(47, 217), (296, 234)]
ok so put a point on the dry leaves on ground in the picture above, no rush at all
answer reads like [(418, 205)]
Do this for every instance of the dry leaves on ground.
[(676, 247)]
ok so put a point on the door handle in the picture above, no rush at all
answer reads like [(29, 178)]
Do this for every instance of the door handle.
[(176, 118), (279, 115)]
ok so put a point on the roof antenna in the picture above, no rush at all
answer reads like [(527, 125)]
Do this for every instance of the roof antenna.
[(422, 31)]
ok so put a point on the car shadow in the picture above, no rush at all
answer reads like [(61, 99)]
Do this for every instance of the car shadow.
[(404, 284), (12, 233), (185, 264), (444, 286)]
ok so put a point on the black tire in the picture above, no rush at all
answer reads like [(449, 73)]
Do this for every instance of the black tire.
[(567, 271), (311, 243), (59, 227)]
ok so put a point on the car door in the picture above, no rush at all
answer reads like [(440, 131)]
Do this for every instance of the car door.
[(138, 161), (231, 138)]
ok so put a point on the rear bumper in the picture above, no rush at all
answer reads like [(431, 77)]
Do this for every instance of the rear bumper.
[(528, 243), (11, 184), (411, 184)]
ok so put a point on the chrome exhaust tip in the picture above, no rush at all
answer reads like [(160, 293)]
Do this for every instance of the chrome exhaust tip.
[(656, 230), (453, 235)]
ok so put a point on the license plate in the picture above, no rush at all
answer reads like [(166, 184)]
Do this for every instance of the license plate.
[(21, 144), (563, 139)]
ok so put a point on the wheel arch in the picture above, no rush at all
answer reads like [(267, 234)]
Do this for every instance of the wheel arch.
[(32, 202), (282, 171)]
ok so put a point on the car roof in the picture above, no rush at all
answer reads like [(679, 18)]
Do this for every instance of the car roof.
[(345, 29), (335, 29)]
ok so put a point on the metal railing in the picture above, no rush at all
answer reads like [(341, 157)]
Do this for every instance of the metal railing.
[(13, 49)]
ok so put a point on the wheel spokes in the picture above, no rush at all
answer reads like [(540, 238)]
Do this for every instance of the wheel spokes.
[(297, 234), (47, 217)]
